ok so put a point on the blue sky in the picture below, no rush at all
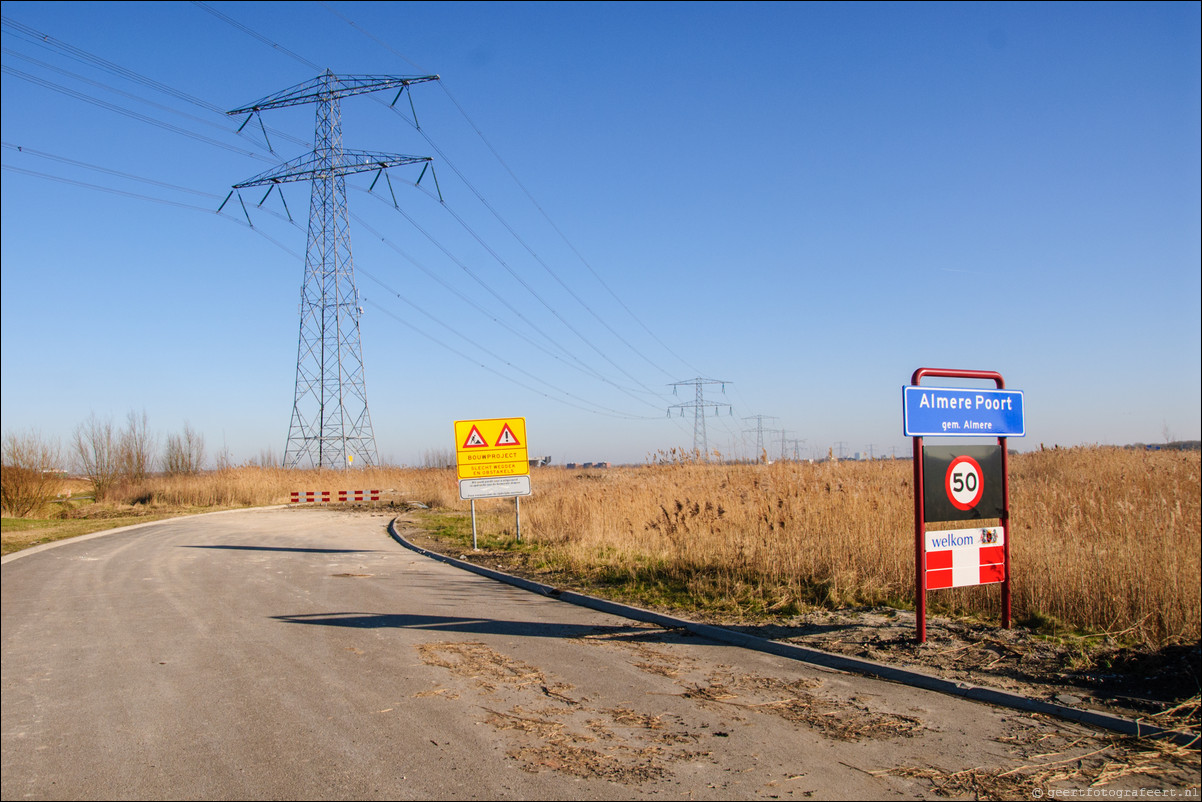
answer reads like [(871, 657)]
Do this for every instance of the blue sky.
[(807, 201)]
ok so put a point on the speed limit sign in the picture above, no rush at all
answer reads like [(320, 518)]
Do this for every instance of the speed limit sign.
[(964, 483)]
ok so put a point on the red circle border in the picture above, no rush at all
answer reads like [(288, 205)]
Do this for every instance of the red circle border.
[(947, 483)]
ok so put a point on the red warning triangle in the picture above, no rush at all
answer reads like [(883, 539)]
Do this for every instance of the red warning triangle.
[(474, 439), (507, 438)]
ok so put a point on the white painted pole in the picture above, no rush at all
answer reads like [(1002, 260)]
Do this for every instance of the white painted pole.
[(474, 546)]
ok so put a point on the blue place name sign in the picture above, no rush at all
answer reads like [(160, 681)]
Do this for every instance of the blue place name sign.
[(959, 412)]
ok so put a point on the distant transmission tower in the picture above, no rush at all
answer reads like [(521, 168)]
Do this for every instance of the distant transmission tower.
[(761, 455), (331, 426), (699, 405)]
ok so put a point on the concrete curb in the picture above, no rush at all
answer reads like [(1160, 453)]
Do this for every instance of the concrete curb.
[(834, 662), (7, 558)]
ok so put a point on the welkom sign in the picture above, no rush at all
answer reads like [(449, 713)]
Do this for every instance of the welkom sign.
[(960, 485)]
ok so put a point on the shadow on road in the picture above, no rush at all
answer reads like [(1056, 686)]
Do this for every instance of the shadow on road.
[(480, 626), (283, 548)]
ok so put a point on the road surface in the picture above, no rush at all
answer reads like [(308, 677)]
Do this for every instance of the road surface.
[(302, 654)]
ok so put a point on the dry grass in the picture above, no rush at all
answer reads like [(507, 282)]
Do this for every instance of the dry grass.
[(1108, 539), (1103, 539), (764, 537), (255, 486)]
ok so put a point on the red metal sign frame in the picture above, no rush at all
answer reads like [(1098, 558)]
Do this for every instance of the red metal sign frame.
[(920, 568)]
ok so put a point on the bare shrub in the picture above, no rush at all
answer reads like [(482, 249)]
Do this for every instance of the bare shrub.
[(267, 459), (97, 451), (136, 448), (31, 473), (438, 458), (184, 453)]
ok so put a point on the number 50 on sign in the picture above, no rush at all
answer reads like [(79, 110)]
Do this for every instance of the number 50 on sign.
[(962, 483)]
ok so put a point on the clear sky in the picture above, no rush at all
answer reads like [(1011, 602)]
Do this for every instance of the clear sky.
[(805, 201)]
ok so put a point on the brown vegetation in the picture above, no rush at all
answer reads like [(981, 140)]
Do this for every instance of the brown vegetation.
[(1103, 539), (30, 473)]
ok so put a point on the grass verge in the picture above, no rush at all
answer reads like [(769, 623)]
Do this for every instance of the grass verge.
[(22, 533)]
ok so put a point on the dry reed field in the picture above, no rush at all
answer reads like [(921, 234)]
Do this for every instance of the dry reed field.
[(1102, 539)]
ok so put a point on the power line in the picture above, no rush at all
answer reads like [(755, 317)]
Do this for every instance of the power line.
[(497, 358), (249, 32), (476, 129), (73, 162), (504, 301), (151, 199), (484, 312), (126, 112), (44, 40), (110, 190), (158, 87)]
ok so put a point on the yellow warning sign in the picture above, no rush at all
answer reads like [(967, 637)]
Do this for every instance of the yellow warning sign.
[(495, 447)]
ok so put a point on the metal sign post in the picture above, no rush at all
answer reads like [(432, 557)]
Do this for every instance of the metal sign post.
[(961, 483)]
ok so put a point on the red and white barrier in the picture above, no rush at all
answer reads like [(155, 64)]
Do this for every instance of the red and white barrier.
[(310, 496), (323, 496), (358, 495)]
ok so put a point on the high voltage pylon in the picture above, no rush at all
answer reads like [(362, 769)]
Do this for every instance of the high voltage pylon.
[(761, 455), (784, 433), (699, 405), (331, 424)]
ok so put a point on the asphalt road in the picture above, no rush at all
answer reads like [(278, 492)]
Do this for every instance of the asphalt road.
[(302, 654)]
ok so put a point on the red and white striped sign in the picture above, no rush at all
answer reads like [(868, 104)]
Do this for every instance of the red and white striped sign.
[(956, 558), (309, 496)]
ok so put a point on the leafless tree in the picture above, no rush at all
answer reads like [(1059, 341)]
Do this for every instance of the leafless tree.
[(268, 458), (438, 458), (31, 472), (185, 452), (97, 450), (224, 459), (136, 448)]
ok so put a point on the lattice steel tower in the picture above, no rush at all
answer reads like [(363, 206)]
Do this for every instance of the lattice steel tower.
[(331, 425), (761, 454), (700, 442)]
